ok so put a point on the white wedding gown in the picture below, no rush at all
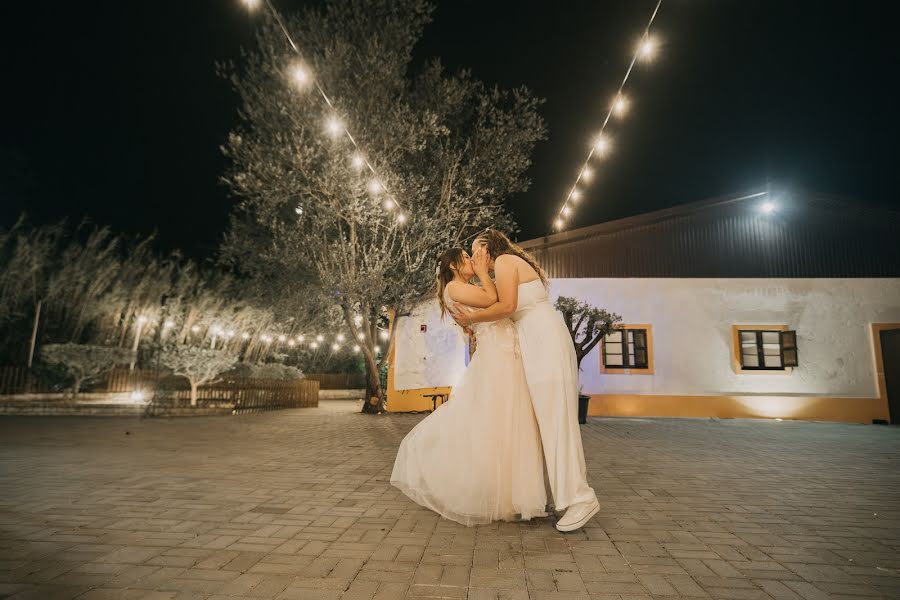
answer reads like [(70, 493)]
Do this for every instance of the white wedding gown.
[(478, 458)]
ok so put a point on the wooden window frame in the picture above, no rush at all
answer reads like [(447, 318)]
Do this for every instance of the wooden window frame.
[(737, 354), (648, 370)]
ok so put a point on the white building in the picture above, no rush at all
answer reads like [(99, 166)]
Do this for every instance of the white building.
[(719, 299)]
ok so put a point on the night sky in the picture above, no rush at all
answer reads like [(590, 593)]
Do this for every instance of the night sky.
[(113, 110)]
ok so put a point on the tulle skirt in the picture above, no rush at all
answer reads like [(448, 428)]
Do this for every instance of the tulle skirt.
[(478, 457)]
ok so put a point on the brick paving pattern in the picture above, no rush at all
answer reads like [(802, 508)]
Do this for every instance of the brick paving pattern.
[(296, 505)]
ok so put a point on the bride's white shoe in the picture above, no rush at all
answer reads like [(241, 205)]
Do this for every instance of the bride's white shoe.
[(578, 515)]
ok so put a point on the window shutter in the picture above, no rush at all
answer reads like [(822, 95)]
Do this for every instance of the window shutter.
[(789, 349)]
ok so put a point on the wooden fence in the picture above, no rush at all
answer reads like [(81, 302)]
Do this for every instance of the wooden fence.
[(338, 381), (247, 395)]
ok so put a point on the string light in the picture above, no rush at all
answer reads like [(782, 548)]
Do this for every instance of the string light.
[(320, 338), (314, 345), (299, 75), (301, 339), (356, 348), (646, 50), (340, 337), (620, 106), (334, 126), (375, 187), (361, 336), (335, 347), (291, 343), (266, 338), (169, 324), (282, 338), (389, 204), (195, 328), (245, 336)]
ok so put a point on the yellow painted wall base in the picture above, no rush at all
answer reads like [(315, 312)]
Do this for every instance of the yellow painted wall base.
[(812, 408)]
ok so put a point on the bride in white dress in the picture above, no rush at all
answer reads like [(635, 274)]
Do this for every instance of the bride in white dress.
[(550, 367), (478, 457)]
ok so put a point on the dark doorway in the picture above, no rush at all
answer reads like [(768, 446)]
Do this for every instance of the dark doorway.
[(890, 353)]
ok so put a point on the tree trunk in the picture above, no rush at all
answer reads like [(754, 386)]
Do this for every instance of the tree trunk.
[(34, 330), (193, 393)]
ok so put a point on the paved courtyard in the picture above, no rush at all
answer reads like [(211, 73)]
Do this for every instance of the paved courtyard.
[(297, 504)]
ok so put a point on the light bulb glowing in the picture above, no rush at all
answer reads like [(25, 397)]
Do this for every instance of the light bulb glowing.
[(340, 337), (357, 320), (377, 349), (384, 335), (575, 195), (566, 211), (620, 106), (375, 187), (356, 348), (587, 174), (361, 337), (401, 218), (169, 324), (299, 75), (229, 333), (601, 145), (218, 330), (314, 345), (767, 207), (647, 48), (141, 320), (320, 338), (291, 343), (301, 338), (335, 347), (282, 338), (389, 203), (334, 126), (357, 161), (251, 4), (195, 328), (245, 336), (559, 223), (266, 338)]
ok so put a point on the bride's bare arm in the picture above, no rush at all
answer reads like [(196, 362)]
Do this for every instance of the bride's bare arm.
[(471, 295), (507, 292)]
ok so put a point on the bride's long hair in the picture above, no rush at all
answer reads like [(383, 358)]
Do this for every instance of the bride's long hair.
[(448, 261), (498, 244)]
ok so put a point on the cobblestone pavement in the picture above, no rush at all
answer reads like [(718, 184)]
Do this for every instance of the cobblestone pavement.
[(296, 504)]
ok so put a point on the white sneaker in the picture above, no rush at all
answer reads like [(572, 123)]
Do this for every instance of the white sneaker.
[(578, 515)]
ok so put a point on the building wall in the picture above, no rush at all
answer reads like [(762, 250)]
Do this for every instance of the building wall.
[(692, 347)]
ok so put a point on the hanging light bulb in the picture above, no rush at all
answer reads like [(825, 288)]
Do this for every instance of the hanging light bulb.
[(334, 126), (299, 75), (647, 48), (601, 145)]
